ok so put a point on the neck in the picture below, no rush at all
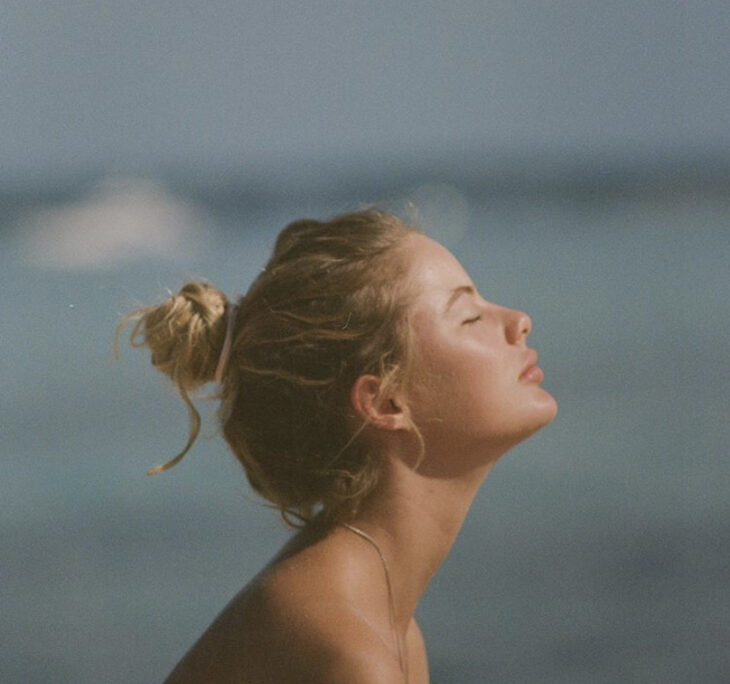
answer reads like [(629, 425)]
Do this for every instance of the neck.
[(414, 518)]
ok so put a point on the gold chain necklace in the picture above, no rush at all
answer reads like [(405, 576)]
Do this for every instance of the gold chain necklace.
[(401, 660)]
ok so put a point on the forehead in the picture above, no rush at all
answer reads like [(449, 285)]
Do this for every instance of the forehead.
[(433, 271)]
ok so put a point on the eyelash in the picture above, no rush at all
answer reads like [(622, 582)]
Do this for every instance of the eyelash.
[(472, 320)]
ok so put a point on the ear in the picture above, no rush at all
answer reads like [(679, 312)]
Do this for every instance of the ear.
[(382, 411)]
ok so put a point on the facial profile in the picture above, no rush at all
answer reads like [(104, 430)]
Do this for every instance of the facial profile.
[(470, 389)]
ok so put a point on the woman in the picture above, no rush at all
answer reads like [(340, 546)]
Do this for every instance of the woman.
[(367, 389)]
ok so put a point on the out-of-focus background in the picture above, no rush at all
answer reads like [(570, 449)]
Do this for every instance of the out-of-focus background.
[(574, 155)]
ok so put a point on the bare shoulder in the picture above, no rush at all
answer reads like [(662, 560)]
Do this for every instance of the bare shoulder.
[(333, 643), (362, 665), (363, 658), (277, 632)]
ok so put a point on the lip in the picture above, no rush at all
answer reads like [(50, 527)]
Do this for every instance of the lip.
[(530, 364)]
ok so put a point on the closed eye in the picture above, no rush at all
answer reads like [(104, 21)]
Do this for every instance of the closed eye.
[(472, 320)]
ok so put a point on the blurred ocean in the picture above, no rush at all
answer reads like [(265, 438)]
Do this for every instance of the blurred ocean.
[(596, 552)]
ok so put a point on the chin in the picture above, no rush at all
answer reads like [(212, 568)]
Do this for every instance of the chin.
[(550, 408), (540, 415), (554, 404), (545, 412)]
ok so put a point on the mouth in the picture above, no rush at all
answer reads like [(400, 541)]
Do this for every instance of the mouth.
[(531, 371)]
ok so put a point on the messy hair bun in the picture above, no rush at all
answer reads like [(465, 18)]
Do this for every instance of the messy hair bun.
[(185, 335)]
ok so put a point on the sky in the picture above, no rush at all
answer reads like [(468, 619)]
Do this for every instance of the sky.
[(133, 86)]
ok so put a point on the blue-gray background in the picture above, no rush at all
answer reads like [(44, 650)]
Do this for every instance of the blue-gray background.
[(574, 156)]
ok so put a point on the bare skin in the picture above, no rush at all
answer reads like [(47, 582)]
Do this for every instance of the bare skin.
[(319, 611)]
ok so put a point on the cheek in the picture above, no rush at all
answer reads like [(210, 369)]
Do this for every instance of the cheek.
[(459, 387), (480, 393), (476, 391)]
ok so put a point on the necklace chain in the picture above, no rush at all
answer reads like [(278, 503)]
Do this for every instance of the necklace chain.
[(367, 537)]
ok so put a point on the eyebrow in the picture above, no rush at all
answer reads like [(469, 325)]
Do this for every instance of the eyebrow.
[(457, 292)]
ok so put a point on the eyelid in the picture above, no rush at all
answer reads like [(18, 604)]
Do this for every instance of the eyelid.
[(474, 319)]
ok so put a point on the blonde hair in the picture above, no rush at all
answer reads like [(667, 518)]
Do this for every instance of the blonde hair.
[(330, 305)]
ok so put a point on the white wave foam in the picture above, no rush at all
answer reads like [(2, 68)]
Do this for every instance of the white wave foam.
[(122, 220)]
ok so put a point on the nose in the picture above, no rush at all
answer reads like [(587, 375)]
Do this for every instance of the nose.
[(519, 325)]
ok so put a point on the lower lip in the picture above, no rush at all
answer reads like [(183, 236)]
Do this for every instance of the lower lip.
[(534, 374)]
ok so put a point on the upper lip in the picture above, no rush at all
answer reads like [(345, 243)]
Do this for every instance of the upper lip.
[(531, 361)]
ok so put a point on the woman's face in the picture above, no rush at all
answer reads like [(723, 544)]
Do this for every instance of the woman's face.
[(469, 391)]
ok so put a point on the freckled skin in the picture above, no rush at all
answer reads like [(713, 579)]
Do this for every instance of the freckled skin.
[(469, 395)]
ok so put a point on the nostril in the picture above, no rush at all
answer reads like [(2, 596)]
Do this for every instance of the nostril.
[(526, 324), (517, 325)]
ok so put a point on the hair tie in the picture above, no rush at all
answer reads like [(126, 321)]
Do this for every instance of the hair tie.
[(228, 342)]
